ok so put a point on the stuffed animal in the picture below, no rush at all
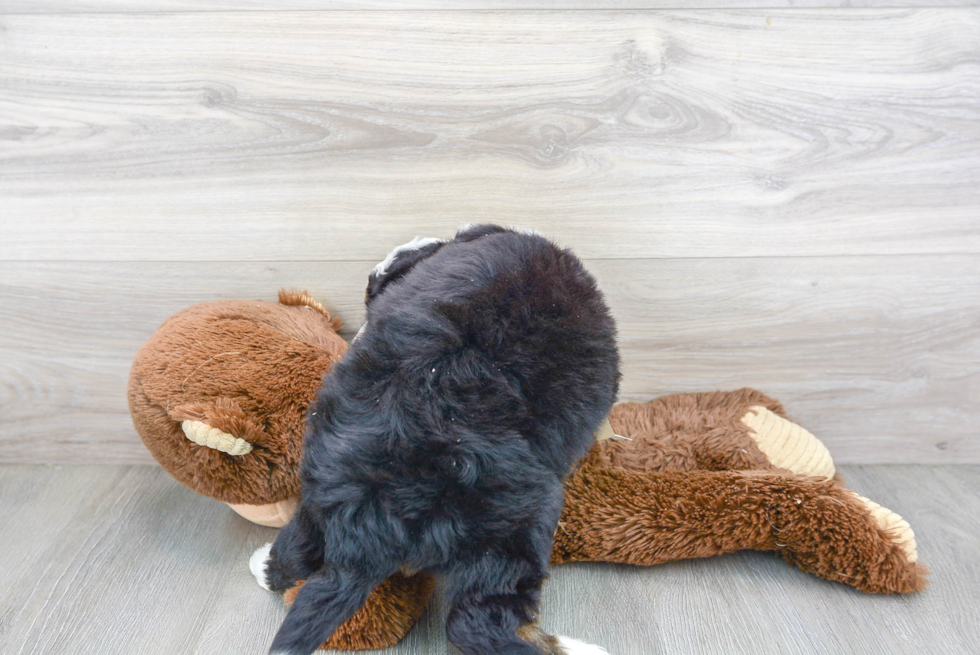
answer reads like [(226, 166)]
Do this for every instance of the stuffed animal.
[(219, 396), (220, 392)]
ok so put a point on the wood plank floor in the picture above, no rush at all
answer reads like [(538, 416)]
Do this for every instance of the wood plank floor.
[(122, 559)]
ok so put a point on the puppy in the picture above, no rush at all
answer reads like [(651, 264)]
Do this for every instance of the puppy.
[(442, 439)]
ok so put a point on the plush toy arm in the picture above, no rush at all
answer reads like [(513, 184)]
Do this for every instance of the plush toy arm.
[(713, 431), (389, 613), (616, 515)]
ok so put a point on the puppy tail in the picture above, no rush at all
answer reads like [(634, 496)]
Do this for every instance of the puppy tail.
[(324, 602)]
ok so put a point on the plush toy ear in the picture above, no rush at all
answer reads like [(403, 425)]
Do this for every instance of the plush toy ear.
[(399, 262)]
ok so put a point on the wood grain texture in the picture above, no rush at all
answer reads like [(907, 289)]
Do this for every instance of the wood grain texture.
[(331, 135), (124, 560), (113, 560), (136, 6), (879, 356)]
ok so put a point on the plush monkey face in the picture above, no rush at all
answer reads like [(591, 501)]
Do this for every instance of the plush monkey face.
[(219, 394)]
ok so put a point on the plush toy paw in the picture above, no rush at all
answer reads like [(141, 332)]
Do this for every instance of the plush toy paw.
[(576, 647), (893, 524), (257, 565), (788, 445), (271, 515)]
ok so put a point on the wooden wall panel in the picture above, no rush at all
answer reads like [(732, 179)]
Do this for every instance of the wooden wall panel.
[(144, 6), (879, 356), (331, 135), (781, 198)]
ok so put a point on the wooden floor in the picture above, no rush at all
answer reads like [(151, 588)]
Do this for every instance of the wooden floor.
[(122, 559)]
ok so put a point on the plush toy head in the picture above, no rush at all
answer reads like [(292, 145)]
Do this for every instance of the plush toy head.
[(219, 397)]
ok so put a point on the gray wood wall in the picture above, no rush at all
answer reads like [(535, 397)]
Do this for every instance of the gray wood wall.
[(773, 196)]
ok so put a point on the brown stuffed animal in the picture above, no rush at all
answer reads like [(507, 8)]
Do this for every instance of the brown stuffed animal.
[(219, 395), (711, 473), (220, 392)]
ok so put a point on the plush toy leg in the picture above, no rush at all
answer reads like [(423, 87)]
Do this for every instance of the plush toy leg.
[(389, 613), (715, 431), (615, 515)]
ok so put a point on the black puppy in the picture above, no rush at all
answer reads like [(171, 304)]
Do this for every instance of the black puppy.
[(442, 439)]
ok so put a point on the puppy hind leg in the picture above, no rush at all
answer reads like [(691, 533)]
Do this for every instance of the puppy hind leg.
[(558, 645), (499, 623), (325, 601), (491, 616), (296, 554)]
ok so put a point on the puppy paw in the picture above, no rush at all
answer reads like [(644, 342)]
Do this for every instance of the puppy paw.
[(576, 647), (257, 565)]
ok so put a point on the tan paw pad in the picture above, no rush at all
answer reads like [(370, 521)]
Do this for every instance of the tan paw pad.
[(272, 515), (788, 445), (899, 528)]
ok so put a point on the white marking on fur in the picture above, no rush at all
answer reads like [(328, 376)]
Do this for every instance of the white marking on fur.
[(256, 564), (576, 647), (415, 244), (359, 333)]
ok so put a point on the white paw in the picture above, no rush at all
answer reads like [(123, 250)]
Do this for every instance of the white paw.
[(256, 564), (576, 647)]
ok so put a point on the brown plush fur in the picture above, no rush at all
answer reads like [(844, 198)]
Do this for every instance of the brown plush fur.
[(246, 367), (691, 483), (616, 515), (687, 432)]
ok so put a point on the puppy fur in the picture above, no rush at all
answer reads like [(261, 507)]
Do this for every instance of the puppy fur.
[(442, 439)]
